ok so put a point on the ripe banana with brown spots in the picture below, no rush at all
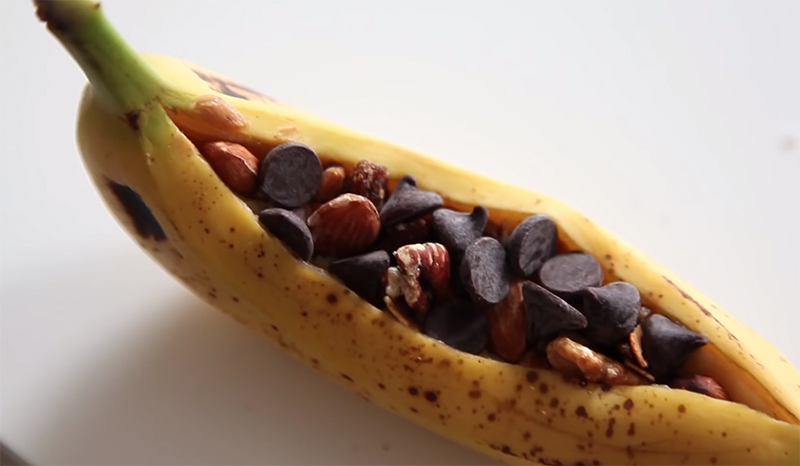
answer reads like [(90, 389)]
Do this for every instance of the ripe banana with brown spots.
[(141, 120)]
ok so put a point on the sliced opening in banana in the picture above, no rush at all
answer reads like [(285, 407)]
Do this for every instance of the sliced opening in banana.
[(506, 286)]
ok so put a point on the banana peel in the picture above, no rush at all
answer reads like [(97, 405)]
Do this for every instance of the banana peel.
[(138, 130)]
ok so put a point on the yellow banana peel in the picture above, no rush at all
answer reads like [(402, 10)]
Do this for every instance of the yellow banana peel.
[(138, 132)]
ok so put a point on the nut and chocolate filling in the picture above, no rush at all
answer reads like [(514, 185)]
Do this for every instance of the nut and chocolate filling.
[(457, 277)]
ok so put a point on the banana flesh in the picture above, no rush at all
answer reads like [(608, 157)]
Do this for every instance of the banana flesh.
[(212, 242)]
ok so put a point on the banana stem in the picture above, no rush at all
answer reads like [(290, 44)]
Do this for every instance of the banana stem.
[(116, 71)]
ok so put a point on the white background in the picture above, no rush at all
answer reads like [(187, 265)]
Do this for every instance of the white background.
[(675, 124)]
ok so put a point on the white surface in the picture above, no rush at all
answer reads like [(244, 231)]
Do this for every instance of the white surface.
[(673, 124)]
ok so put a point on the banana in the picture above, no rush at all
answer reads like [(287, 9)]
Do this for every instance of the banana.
[(139, 126)]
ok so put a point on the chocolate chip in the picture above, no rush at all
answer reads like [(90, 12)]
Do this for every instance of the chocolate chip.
[(548, 315), (457, 230), (458, 324), (531, 243), (566, 275), (484, 272), (612, 312), (290, 175), (290, 229), (667, 345), (363, 274), (408, 201)]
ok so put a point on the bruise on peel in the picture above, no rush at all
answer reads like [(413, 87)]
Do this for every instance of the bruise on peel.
[(230, 87), (142, 217)]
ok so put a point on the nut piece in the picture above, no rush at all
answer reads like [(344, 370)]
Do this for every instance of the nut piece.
[(332, 184), (236, 166), (216, 111), (508, 325), (395, 283), (422, 267), (635, 339), (573, 359), (369, 180), (344, 226), (701, 384)]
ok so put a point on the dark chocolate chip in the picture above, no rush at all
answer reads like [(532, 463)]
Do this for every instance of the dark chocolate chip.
[(531, 243), (612, 312), (566, 275), (484, 272), (408, 201), (290, 229), (457, 230), (364, 274), (548, 315), (290, 174), (667, 345), (458, 324)]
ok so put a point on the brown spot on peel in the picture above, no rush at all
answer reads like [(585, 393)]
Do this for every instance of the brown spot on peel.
[(628, 405), (610, 429)]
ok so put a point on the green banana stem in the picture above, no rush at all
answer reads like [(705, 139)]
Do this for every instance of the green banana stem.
[(116, 71)]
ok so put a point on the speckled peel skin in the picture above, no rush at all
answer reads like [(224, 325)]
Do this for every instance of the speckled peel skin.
[(143, 134)]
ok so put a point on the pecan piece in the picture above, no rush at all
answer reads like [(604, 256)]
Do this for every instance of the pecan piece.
[(573, 359), (395, 285), (425, 273)]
